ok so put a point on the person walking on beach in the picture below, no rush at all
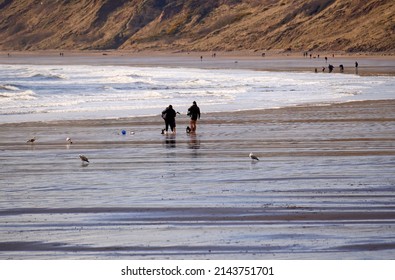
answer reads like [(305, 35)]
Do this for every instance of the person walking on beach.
[(169, 115), (194, 114)]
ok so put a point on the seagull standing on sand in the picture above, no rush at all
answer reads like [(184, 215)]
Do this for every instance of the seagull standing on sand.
[(253, 157), (68, 140), (84, 158), (31, 140)]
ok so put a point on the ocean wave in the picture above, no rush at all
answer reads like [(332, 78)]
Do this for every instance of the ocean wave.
[(9, 87), (18, 113), (108, 88), (49, 76), (22, 95), (136, 76), (103, 91)]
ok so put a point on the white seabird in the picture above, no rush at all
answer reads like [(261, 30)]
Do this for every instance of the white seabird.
[(68, 140), (83, 158), (253, 157)]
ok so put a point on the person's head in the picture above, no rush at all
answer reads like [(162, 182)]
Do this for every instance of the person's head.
[(194, 103), (170, 107)]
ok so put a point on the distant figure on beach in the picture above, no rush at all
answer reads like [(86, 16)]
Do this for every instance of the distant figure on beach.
[(169, 115), (330, 67), (201, 58), (326, 59), (341, 68), (194, 114), (356, 67)]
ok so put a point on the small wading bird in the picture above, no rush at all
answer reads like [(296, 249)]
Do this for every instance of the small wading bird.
[(68, 140), (84, 158), (31, 140), (253, 157)]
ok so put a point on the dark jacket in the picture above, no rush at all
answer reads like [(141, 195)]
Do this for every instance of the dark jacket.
[(169, 114), (194, 112)]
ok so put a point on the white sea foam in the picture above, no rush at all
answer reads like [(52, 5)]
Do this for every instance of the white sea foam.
[(15, 95), (42, 92)]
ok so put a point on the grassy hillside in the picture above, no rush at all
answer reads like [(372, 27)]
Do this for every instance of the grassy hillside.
[(337, 25)]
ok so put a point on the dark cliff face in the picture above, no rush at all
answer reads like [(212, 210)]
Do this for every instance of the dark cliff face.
[(198, 25)]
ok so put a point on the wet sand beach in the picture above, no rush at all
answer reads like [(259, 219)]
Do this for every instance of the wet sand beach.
[(322, 189), (368, 64)]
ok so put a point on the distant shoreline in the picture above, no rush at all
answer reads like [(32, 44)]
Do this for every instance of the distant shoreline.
[(368, 63), (239, 53)]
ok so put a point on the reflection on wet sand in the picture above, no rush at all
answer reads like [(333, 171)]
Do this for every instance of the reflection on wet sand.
[(322, 189)]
